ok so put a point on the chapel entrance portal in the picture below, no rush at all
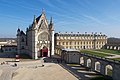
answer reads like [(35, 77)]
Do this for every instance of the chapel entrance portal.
[(45, 52)]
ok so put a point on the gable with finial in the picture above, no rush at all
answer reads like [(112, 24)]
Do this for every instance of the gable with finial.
[(42, 21)]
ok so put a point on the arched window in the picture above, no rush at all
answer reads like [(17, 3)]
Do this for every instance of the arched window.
[(108, 70), (97, 66), (81, 60), (88, 62)]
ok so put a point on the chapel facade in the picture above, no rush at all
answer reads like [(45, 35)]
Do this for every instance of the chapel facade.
[(38, 41)]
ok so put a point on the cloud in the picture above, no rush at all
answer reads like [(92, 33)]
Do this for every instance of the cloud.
[(94, 19), (61, 2), (10, 4), (116, 18), (17, 19), (47, 3), (66, 17), (83, 3)]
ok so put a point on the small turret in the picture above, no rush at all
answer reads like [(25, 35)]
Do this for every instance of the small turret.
[(27, 29), (34, 21), (51, 24), (51, 20), (42, 11), (18, 32)]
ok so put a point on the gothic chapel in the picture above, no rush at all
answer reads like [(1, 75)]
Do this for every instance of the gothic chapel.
[(38, 41)]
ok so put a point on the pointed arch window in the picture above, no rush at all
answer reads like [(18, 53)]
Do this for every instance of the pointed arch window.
[(23, 40)]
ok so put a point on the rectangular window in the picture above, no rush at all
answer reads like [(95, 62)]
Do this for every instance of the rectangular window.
[(81, 47), (66, 43), (97, 42), (84, 42), (92, 42), (75, 47), (87, 42), (75, 43), (63, 43)]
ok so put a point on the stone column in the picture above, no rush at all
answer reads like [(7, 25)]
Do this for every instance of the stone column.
[(52, 42), (102, 68), (93, 64)]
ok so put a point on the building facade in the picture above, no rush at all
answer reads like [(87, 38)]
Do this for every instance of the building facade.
[(7, 41), (12, 49), (113, 44), (80, 41), (38, 41)]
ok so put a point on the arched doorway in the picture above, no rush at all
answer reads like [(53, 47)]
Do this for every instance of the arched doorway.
[(97, 66), (45, 52), (108, 70), (89, 63), (81, 60)]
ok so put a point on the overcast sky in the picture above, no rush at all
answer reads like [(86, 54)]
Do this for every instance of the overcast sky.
[(68, 15)]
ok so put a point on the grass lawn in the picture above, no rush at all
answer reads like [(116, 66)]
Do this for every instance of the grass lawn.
[(95, 53), (117, 59), (109, 51)]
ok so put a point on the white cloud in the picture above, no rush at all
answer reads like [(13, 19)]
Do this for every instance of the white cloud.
[(94, 19)]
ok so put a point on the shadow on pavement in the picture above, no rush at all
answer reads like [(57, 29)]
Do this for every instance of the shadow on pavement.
[(75, 69), (80, 76)]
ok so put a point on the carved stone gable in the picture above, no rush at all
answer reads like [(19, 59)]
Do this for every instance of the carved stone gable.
[(43, 26)]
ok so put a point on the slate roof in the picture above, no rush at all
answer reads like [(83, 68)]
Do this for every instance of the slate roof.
[(38, 18)]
